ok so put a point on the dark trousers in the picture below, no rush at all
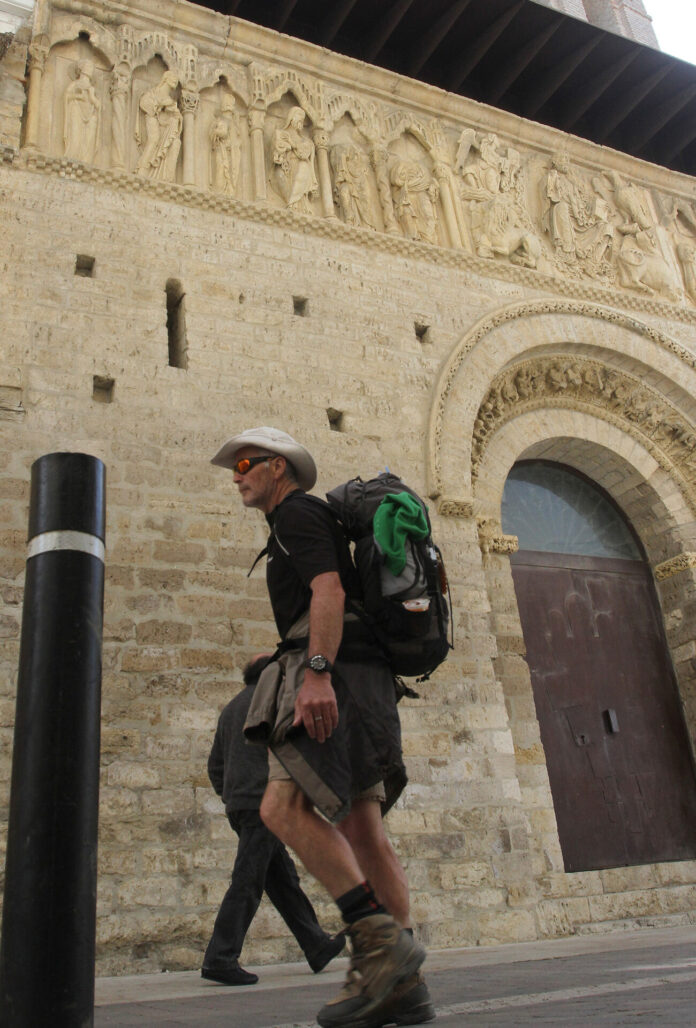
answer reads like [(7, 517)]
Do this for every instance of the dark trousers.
[(262, 864)]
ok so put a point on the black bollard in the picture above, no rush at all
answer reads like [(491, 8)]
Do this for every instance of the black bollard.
[(49, 910)]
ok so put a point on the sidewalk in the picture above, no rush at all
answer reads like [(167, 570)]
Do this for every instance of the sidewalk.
[(645, 977)]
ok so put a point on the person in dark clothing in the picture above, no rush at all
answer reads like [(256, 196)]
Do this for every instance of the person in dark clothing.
[(238, 773)]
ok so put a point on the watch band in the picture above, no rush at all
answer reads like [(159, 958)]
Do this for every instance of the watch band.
[(318, 663)]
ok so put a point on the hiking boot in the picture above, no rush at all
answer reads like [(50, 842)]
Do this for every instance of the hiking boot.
[(408, 1003), (383, 955)]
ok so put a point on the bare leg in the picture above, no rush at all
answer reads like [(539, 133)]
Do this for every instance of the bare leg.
[(364, 830), (322, 848)]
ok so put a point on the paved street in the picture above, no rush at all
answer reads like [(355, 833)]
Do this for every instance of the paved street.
[(645, 977)]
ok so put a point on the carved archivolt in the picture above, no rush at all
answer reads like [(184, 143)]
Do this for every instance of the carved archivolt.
[(519, 312), (376, 166), (590, 386)]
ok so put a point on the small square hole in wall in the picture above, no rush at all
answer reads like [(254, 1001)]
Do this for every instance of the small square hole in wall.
[(300, 306), (335, 419), (422, 332), (84, 266), (102, 388)]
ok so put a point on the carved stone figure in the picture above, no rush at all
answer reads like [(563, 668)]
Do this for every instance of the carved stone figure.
[(489, 178), (484, 167), (576, 220), (415, 195), (686, 252), (642, 267), (163, 123), (293, 155), (351, 169), (225, 149), (497, 231), (631, 201), (119, 98), (81, 115)]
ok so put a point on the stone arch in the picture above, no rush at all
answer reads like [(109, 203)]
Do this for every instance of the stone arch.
[(277, 85), (103, 40), (364, 115), (158, 45), (654, 503), (573, 381), (606, 453), (535, 329)]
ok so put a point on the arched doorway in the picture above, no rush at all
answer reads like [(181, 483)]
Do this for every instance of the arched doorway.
[(617, 753)]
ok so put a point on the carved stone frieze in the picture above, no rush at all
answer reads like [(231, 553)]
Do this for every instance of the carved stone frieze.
[(588, 385), (675, 565), (365, 160)]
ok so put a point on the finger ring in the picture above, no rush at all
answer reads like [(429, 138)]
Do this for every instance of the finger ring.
[(320, 718)]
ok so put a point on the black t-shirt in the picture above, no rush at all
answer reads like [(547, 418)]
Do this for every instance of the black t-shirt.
[(305, 541)]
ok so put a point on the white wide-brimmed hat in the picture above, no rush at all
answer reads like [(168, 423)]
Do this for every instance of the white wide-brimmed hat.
[(275, 441)]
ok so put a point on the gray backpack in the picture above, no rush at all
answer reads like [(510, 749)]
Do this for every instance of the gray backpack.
[(409, 614)]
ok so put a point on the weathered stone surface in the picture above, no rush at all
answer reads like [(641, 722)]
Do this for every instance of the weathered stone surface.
[(451, 274)]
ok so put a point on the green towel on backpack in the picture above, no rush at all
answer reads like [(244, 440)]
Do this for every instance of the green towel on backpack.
[(398, 516)]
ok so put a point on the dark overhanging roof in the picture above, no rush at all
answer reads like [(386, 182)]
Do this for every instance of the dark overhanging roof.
[(518, 55)]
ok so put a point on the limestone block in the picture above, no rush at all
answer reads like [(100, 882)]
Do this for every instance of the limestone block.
[(148, 892), (629, 903), (133, 776), (678, 898), (506, 926), (561, 917)]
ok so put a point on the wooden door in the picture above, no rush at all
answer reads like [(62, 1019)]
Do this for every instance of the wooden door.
[(617, 752)]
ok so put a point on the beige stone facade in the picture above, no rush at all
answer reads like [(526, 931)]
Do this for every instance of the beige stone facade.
[(208, 226)]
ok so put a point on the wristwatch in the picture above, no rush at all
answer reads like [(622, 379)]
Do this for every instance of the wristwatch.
[(318, 663)]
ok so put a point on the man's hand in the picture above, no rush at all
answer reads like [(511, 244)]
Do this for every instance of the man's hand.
[(315, 706)]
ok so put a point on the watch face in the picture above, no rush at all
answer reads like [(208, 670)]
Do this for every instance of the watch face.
[(318, 663)]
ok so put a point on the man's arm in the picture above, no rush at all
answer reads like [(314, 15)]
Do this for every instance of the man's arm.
[(316, 706)]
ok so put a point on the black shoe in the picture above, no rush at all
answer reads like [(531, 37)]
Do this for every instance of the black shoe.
[(233, 974), (321, 957)]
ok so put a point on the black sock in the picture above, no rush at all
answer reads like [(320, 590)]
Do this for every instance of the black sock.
[(358, 903)]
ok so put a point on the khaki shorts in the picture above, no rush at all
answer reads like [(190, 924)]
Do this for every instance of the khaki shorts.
[(277, 773)]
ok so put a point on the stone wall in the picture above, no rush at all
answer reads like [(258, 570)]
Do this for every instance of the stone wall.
[(626, 17), (452, 293)]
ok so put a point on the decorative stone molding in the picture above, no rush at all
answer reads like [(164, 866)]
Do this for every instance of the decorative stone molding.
[(675, 565), (518, 312), (492, 539), (578, 383), (451, 185), (455, 508)]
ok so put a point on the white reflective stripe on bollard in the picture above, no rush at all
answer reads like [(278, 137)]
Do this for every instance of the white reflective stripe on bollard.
[(82, 541)]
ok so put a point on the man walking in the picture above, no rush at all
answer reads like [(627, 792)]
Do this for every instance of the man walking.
[(238, 772), (328, 707)]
